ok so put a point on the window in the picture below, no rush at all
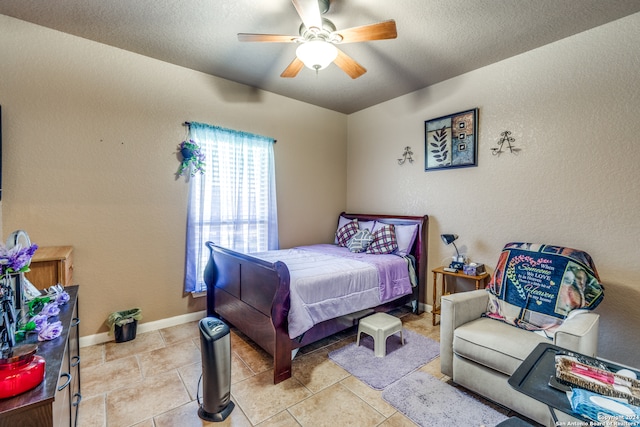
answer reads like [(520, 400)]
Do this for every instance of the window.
[(232, 204)]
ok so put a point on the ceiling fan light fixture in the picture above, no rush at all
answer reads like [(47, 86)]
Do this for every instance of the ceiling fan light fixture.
[(317, 54)]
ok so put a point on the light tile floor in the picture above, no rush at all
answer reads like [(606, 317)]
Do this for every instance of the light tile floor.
[(152, 381)]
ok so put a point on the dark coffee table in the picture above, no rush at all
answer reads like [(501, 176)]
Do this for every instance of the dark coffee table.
[(534, 374)]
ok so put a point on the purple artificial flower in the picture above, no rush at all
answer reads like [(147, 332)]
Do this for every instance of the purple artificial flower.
[(16, 259), (40, 321), (50, 309), (50, 331), (32, 250), (23, 257), (62, 298)]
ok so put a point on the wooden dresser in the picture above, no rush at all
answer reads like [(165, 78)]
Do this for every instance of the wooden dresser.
[(55, 401), (51, 265)]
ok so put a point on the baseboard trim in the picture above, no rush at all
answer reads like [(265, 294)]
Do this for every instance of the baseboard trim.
[(103, 337), (426, 307)]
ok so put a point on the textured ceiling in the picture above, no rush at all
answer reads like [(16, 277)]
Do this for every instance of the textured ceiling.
[(437, 39)]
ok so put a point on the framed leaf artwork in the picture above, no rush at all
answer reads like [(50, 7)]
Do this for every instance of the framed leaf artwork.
[(451, 141)]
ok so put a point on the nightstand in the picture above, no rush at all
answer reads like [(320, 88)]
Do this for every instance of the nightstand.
[(484, 277), (51, 265)]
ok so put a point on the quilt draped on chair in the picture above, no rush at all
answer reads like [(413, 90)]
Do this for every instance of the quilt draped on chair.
[(536, 286)]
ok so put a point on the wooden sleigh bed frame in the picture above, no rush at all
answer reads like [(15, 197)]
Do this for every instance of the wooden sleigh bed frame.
[(253, 295)]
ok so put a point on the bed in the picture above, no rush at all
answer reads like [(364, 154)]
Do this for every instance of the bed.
[(253, 293)]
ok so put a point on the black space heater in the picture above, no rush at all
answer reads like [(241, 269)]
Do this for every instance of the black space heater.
[(216, 370)]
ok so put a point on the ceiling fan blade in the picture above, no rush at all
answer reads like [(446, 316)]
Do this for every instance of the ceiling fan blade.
[(380, 31), (277, 38), (349, 65), (293, 69), (309, 12)]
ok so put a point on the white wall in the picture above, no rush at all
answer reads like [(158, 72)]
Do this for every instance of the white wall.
[(573, 108), (89, 157)]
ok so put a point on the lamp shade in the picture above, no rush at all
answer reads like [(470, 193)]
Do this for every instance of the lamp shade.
[(316, 54), (448, 238)]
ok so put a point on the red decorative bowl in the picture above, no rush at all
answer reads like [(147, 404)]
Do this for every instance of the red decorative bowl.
[(21, 370)]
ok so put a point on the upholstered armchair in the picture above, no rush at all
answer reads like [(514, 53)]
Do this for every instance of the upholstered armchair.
[(486, 334)]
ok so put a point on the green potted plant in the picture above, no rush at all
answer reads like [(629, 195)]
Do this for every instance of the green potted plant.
[(123, 324), (192, 158)]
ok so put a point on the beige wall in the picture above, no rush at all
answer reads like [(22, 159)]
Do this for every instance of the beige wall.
[(89, 140), (90, 133), (573, 108)]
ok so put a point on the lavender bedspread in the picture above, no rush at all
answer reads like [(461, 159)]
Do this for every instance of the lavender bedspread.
[(328, 281)]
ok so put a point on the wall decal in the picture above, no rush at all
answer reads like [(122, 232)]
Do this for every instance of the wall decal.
[(407, 155), (508, 139)]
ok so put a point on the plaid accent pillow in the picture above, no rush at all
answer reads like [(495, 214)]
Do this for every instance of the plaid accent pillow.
[(346, 232), (384, 241), (360, 241)]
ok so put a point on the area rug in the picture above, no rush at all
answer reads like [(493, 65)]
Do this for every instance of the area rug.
[(427, 401), (379, 372)]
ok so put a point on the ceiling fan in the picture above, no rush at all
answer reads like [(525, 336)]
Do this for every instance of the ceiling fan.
[(318, 39)]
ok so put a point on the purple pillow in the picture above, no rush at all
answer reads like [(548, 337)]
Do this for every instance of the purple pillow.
[(406, 235), (367, 225)]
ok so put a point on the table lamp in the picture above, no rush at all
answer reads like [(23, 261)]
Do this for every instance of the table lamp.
[(449, 239)]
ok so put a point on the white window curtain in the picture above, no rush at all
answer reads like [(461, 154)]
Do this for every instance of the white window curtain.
[(232, 204)]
